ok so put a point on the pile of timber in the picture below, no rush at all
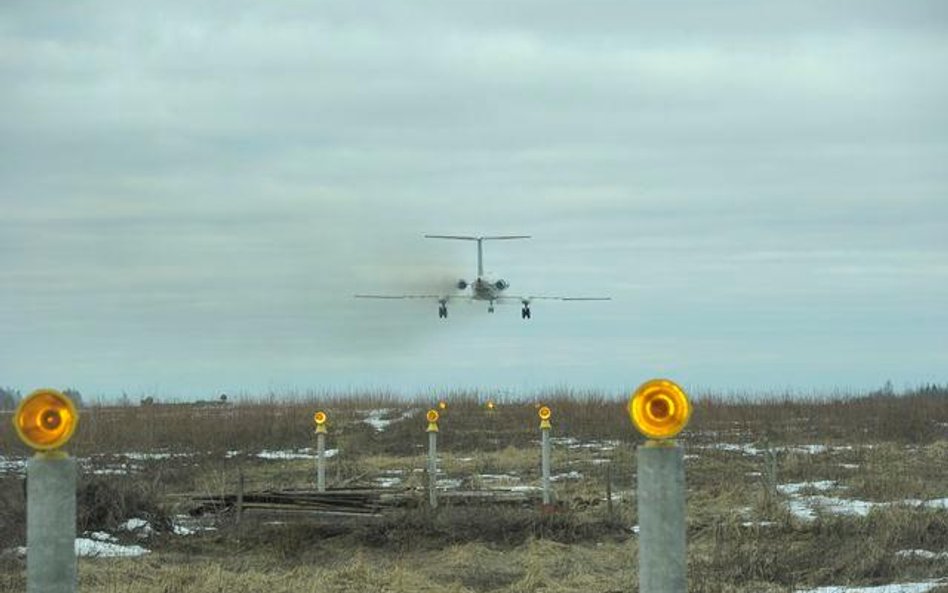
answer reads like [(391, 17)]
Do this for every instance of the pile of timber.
[(342, 502), (351, 502)]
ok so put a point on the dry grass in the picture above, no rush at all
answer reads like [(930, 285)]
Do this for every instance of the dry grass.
[(881, 448)]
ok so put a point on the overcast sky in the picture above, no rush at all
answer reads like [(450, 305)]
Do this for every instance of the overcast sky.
[(191, 192)]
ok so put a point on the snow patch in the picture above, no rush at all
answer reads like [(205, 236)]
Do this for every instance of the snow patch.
[(298, 454), (797, 487), (922, 554), (97, 548), (374, 418), (920, 587), (388, 481), (757, 523), (140, 526), (12, 465)]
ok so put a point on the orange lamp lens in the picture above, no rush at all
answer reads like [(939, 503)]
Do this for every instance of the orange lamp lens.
[(432, 415), (659, 409), (544, 413), (46, 419), (319, 418)]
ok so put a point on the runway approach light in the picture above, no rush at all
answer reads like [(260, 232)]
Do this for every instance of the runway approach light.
[(545, 414), (490, 406), (320, 419), (659, 409), (432, 417), (442, 405), (45, 419)]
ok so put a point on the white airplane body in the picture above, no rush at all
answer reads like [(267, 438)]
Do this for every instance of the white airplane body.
[(483, 288)]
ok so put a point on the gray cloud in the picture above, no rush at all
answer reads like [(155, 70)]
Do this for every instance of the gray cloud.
[(190, 194)]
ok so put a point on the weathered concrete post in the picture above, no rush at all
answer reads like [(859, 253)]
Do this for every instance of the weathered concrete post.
[(660, 410), (321, 462), (545, 413), (320, 419), (661, 508), (432, 431), (45, 420), (51, 524)]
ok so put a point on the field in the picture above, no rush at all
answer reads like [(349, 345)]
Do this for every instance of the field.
[(783, 495)]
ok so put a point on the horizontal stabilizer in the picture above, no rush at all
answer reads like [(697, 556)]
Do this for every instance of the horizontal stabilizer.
[(467, 238)]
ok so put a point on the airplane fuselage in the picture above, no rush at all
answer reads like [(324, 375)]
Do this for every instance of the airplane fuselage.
[(485, 289)]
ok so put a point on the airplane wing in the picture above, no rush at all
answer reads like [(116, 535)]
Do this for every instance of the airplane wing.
[(440, 297), (528, 299)]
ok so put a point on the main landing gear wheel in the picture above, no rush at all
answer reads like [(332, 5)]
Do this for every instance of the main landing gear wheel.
[(525, 313), (443, 311), (490, 308)]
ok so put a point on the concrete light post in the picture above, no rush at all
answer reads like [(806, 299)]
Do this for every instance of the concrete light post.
[(45, 420), (544, 413), (320, 419), (432, 431), (660, 410)]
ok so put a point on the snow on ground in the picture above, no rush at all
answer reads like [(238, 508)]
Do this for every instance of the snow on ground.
[(796, 487), (388, 481), (307, 453), (920, 587), (757, 524), (10, 465), (572, 475), (499, 477), (153, 456), (140, 527), (97, 548), (574, 443), (752, 450), (806, 507), (187, 525), (922, 554), (374, 418), (100, 545)]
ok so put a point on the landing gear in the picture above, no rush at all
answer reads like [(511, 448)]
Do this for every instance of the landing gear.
[(490, 308), (525, 312), (443, 311)]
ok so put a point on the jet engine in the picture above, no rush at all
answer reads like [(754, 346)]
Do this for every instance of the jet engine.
[(462, 284), (501, 284)]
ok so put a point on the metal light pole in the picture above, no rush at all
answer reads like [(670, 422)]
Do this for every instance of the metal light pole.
[(45, 421), (432, 431), (320, 419), (660, 410)]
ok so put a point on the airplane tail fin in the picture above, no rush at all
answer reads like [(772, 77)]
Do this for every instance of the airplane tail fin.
[(480, 241)]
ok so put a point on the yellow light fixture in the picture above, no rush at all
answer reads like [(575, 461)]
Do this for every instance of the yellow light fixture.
[(432, 417), (659, 409), (545, 414), (442, 405), (490, 406), (320, 419), (45, 419)]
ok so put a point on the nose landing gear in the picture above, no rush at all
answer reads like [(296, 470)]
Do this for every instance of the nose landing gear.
[(525, 312), (443, 310)]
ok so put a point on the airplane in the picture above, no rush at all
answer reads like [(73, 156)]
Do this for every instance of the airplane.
[(482, 288)]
